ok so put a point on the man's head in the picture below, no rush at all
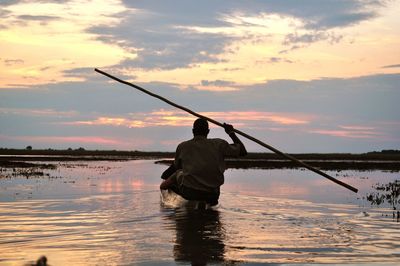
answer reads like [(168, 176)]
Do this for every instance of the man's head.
[(200, 127)]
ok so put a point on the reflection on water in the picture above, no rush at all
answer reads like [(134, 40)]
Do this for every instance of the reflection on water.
[(199, 236), (114, 217)]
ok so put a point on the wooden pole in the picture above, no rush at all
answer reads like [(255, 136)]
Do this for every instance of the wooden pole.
[(287, 156)]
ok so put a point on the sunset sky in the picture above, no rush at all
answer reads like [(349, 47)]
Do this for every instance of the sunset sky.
[(300, 75)]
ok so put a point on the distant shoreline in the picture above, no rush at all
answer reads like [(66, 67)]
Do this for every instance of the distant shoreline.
[(374, 155), (384, 160)]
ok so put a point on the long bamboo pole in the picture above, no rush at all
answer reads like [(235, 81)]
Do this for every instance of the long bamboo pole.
[(287, 156)]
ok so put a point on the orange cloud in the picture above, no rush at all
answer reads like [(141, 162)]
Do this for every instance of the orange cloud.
[(357, 128), (64, 139), (354, 132), (278, 118), (38, 52), (37, 112), (180, 118)]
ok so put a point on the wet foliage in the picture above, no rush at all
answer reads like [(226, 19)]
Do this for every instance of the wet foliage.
[(9, 169), (389, 193)]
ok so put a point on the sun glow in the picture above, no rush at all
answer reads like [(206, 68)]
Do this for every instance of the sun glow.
[(43, 45)]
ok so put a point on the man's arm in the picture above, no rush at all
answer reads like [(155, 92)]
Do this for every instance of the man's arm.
[(176, 165), (170, 170), (229, 130), (167, 183)]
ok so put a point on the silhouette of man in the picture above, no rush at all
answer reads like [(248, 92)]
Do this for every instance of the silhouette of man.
[(198, 169)]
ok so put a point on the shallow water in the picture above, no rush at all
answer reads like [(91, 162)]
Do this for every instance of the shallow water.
[(110, 213)]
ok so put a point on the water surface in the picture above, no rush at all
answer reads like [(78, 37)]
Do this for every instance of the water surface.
[(110, 213)]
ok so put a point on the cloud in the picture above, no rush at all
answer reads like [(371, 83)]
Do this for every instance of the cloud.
[(348, 133), (4, 13), (22, 20), (159, 44), (344, 19), (328, 14), (297, 41), (357, 127), (215, 38), (38, 18), (274, 60), (182, 119), (37, 112), (14, 2), (392, 66), (307, 38), (315, 13), (139, 120), (367, 97), (217, 83), (9, 2), (362, 109), (166, 36), (252, 118), (12, 62), (85, 73)]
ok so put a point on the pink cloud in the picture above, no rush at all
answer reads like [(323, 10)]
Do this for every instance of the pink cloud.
[(63, 139), (37, 112), (349, 133), (81, 140), (278, 118), (357, 128), (109, 121), (180, 118)]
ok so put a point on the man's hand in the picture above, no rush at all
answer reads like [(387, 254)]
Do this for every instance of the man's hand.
[(230, 131), (228, 128)]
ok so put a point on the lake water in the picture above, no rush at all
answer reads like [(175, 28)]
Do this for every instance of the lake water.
[(110, 213)]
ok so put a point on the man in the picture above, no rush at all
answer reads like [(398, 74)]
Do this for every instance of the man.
[(198, 169)]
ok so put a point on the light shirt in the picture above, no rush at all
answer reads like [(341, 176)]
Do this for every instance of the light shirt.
[(202, 162)]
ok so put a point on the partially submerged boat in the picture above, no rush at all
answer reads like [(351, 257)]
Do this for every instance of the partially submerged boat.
[(172, 200)]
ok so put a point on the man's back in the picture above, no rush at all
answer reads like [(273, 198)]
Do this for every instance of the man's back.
[(202, 162)]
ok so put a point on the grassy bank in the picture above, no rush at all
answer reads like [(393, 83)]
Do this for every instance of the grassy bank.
[(386, 155), (383, 160)]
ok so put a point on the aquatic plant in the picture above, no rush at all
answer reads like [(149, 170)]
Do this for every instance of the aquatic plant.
[(389, 193)]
